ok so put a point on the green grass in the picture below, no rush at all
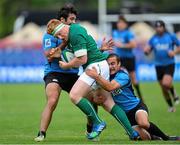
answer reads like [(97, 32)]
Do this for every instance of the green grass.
[(22, 104)]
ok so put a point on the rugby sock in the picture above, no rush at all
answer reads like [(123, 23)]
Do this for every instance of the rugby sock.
[(95, 107), (89, 125), (89, 128), (154, 130), (121, 117), (173, 92), (169, 101), (138, 92), (88, 109)]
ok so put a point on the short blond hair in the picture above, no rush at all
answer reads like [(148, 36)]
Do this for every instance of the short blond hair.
[(52, 24)]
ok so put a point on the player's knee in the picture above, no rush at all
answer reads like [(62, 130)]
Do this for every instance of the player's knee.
[(74, 96), (52, 103), (144, 124), (52, 99), (166, 85)]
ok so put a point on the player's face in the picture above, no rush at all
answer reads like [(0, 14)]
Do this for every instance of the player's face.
[(63, 33), (121, 25), (159, 29), (71, 19), (113, 65)]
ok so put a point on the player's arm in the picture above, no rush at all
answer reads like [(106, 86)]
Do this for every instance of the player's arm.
[(54, 52), (107, 85), (177, 50), (75, 62), (147, 49), (172, 53), (80, 52)]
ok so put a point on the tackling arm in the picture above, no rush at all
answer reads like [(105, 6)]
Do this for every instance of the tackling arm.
[(55, 52), (107, 85)]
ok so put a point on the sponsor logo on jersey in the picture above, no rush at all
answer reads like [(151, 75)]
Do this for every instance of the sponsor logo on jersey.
[(47, 42), (162, 46), (116, 92)]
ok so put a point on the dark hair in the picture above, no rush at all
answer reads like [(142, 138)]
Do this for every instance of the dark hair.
[(65, 11), (122, 18), (159, 23), (114, 55)]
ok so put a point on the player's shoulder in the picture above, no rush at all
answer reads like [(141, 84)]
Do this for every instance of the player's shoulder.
[(50, 41), (155, 36), (127, 30), (76, 31), (115, 31), (129, 33), (48, 36), (172, 35), (76, 27), (122, 73)]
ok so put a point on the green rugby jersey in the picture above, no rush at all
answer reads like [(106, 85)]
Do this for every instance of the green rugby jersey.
[(81, 42)]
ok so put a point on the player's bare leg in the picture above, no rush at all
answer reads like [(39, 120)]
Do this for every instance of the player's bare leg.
[(52, 95), (153, 130), (174, 95), (142, 132), (142, 119), (166, 84)]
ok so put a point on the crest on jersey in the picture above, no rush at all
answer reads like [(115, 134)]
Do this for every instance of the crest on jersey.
[(47, 42)]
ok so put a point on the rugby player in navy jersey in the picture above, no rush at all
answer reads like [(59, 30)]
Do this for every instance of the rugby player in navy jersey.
[(124, 45), (123, 95), (162, 44), (56, 79)]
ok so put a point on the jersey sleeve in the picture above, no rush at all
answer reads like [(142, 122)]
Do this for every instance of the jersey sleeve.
[(50, 42), (122, 79), (79, 45), (175, 40), (130, 36)]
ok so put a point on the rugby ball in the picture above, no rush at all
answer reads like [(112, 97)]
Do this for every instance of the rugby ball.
[(67, 55)]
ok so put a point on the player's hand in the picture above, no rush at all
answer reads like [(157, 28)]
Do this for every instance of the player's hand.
[(55, 52), (171, 53), (92, 72), (146, 50), (107, 45), (63, 65)]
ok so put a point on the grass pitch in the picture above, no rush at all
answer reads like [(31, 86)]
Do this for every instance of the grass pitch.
[(21, 106)]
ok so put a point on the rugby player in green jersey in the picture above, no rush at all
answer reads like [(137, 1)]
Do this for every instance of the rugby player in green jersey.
[(88, 55)]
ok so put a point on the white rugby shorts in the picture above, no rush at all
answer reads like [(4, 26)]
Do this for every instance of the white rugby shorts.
[(102, 68)]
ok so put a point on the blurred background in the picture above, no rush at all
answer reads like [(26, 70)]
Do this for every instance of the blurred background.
[(23, 23)]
